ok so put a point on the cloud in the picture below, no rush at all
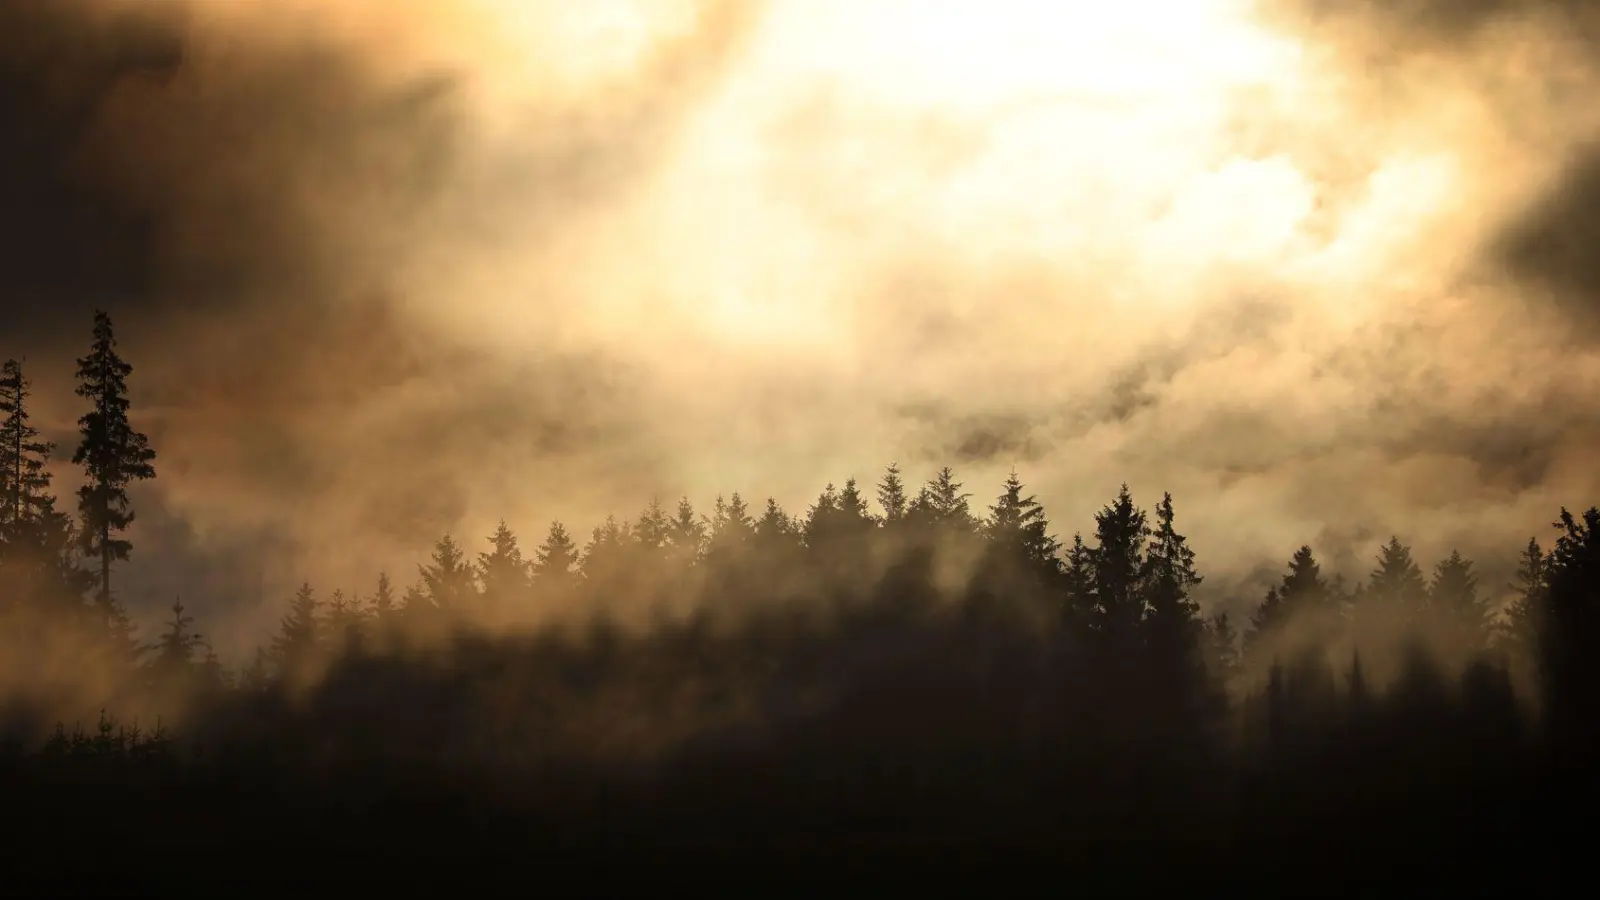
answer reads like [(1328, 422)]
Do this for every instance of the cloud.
[(391, 269)]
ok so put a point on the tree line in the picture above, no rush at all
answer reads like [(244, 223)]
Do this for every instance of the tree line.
[(894, 664)]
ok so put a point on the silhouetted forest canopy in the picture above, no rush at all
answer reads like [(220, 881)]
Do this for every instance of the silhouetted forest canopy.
[(900, 667)]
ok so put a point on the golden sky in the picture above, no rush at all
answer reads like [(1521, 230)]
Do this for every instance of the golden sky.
[(1259, 254)]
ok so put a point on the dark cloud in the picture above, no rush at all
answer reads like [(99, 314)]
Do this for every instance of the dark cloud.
[(257, 211), (1552, 245)]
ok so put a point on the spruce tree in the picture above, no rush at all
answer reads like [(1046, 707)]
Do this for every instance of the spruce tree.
[(174, 660), (1301, 595), (344, 621), (112, 453), (1304, 590), (1172, 618), (821, 516), (448, 580), (298, 634), (853, 508), (1397, 584), (1117, 564), (892, 496), (686, 536), (732, 528), (503, 572), (37, 546), (1078, 586), (606, 557), (652, 533), (1458, 614), (1569, 636), (945, 503), (1019, 534), (555, 562), (383, 604), (1520, 630), (23, 478)]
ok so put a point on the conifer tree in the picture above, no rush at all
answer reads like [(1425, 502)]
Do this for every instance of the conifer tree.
[(383, 603), (732, 528), (607, 558), (820, 517), (1304, 589), (1078, 585), (652, 533), (504, 574), (555, 561), (298, 633), (23, 455), (1457, 612), (1303, 592), (1520, 631), (775, 526), (1569, 636), (344, 619), (1397, 585), (852, 508), (686, 535), (37, 547), (1019, 533), (945, 504), (892, 496), (112, 453), (447, 580), (1117, 565), (175, 651), (778, 539), (1172, 617)]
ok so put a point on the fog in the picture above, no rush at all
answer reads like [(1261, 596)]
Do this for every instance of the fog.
[(389, 270)]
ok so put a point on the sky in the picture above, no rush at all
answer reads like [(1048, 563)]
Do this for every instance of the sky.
[(393, 269)]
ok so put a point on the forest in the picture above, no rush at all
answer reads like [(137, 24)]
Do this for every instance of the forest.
[(904, 674)]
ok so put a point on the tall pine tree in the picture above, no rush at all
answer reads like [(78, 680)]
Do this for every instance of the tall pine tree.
[(295, 644), (1117, 564), (112, 454), (36, 540), (555, 561), (1019, 534), (892, 496), (503, 572)]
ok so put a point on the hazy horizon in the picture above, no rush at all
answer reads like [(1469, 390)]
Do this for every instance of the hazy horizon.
[(388, 270)]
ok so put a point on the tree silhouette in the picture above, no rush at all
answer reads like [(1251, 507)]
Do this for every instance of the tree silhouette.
[(1524, 617), (1020, 534), (1396, 589), (1116, 569), (37, 549), (112, 454), (942, 504), (892, 495), (174, 660), (447, 580), (686, 536), (556, 560), (383, 602), (502, 571), (298, 634), (1458, 614), (1172, 617), (22, 455)]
